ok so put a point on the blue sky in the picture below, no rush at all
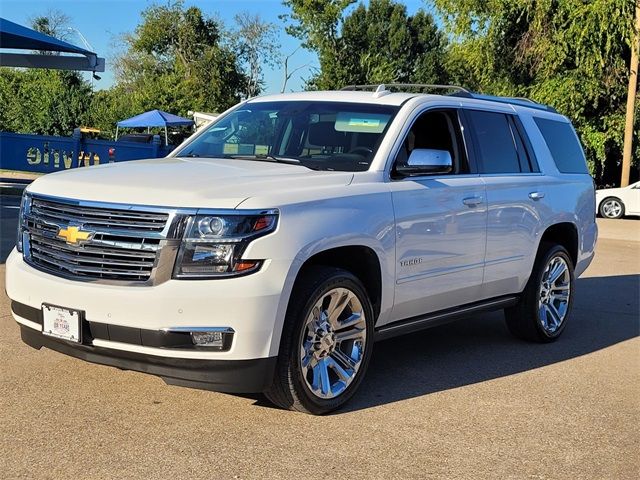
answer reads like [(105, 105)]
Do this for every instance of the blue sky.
[(102, 21)]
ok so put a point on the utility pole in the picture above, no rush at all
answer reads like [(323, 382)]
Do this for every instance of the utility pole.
[(631, 98)]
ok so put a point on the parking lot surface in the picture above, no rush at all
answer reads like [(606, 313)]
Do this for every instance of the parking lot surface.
[(463, 400)]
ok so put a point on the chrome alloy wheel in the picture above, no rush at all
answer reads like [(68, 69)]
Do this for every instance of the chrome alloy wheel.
[(332, 343), (611, 208), (553, 300)]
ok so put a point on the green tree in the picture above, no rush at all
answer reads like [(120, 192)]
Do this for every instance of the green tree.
[(176, 60), (382, 43), (317, 23), (45, 102), (571, 54), (373, 43)]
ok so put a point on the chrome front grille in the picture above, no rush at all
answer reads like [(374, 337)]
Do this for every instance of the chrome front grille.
[(126, 243), (98, 217)]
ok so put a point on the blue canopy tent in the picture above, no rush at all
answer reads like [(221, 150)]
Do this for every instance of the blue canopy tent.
[(154, 118), (17, 37)]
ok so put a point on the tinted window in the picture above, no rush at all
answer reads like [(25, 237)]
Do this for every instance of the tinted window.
[(495, 142), (563, 144), (528, 161)]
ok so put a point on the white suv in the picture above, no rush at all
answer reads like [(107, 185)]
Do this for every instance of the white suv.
[(271, 249)]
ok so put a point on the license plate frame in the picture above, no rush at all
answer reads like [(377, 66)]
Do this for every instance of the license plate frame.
[(63, 323)]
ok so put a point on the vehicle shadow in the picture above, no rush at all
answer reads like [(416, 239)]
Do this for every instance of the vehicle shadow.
[(480, 348)]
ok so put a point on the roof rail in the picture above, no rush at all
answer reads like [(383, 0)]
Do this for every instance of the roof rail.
[(406, 86), (458, 91), (524, 102)]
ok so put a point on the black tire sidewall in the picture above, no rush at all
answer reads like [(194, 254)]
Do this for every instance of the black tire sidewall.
[(297, 316)]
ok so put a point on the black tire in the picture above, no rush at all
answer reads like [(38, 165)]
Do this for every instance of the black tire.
[(602, 209), (289, 389), (524, 319)]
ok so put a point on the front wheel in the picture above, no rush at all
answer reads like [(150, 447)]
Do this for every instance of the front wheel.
[(326, 342), (542, 312)]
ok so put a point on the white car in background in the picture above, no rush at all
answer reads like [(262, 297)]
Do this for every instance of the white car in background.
[(618, 202)]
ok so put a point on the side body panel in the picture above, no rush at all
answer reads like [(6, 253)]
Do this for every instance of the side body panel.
[(440, 243)]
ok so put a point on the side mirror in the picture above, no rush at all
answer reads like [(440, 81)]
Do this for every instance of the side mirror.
[(426, 161)]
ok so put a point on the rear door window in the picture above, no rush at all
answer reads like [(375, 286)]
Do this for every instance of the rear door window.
[(563, 144), (495, 142)]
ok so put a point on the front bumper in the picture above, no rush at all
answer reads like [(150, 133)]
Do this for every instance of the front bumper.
[(253, 306), (235, 376)]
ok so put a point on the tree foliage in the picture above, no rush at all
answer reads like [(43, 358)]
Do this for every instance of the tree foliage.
[(47, 102), (53, 23), (43, 102), (571, 54), (374, 43), (256, 44), (176, 60)]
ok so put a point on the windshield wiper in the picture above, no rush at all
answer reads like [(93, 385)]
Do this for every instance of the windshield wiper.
[(197, 155), (271, 158)]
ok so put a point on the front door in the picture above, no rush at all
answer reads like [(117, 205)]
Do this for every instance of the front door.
[(440, 224)]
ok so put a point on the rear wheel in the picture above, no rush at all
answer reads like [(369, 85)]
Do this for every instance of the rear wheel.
[(542, 312), (326, 342), (612, 208)]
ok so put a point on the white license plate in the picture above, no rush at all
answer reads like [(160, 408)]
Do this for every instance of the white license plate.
[(61, 322)]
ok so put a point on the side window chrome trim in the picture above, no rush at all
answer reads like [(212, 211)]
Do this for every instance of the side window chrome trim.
[(512, 174), (437, 176)]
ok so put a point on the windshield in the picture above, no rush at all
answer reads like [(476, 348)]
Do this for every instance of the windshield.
[(316, 135)]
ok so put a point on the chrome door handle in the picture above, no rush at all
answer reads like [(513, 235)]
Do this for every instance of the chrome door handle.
[(536, 195), (472, 201)]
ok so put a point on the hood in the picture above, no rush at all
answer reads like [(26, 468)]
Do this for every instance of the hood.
[(184, 182)]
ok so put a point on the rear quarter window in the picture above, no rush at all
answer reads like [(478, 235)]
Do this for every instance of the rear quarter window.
[(563, 144)]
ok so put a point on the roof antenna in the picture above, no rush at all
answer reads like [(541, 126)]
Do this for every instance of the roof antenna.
[(381, 91)]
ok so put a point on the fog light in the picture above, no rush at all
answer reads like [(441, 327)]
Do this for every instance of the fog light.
[(208, 339), (215, 338)]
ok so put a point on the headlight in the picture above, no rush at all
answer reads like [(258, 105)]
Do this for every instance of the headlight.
[(25, 208), (213, 244)]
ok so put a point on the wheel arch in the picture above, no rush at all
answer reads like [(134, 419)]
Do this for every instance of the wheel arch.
[(360, 260), (565, 234), (363, 257)]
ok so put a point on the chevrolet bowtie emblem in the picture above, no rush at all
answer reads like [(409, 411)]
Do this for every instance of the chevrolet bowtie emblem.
[(74, 235)]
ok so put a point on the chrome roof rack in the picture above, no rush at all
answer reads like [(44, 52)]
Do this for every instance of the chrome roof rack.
[(405, 87), (457, 91), (523, 102)]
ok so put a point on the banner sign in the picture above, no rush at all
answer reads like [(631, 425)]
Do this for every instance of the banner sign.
[(46, 154)]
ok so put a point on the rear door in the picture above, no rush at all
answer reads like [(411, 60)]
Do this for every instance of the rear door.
[(440, 223), (515, 195)]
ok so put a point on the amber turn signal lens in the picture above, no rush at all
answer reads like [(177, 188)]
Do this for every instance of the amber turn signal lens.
[(262, 223), (244, 265)]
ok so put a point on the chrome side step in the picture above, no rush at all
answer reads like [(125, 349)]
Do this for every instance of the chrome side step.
[(433, 319)]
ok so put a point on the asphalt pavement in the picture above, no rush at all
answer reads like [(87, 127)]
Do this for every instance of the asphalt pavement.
[(463, 400)]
